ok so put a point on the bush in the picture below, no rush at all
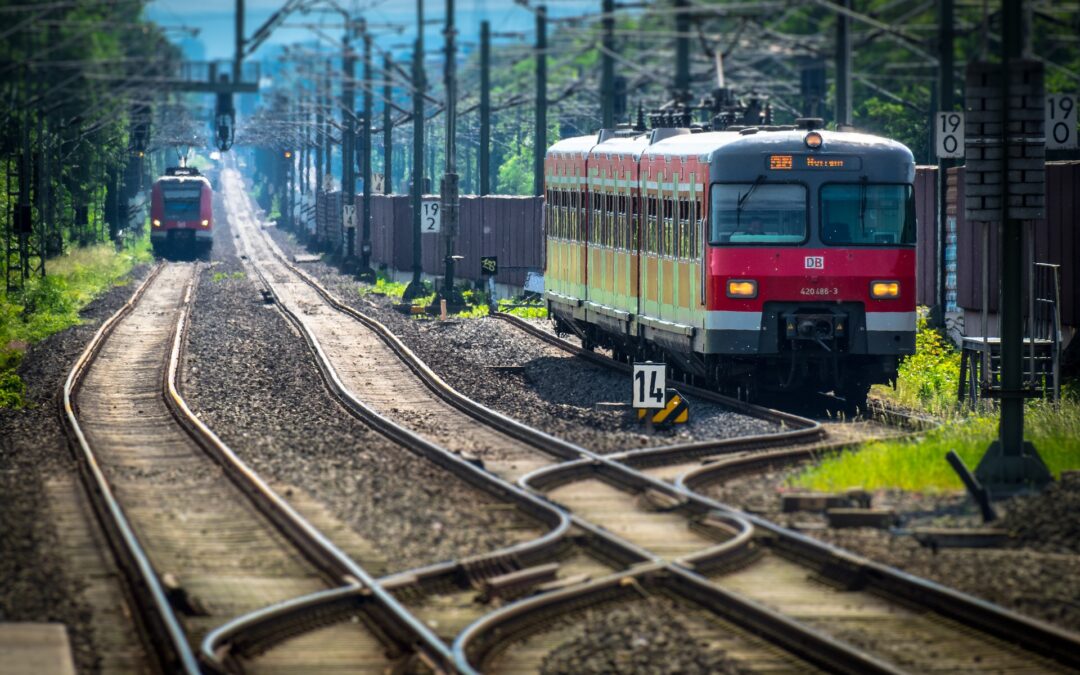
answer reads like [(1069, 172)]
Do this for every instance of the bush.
[(928, 379), (48, 305)]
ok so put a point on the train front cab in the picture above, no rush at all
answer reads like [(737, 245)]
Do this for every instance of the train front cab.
[(811, 261), (181, 213)]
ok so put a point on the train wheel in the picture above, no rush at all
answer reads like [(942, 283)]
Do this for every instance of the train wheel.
[(854, 395)]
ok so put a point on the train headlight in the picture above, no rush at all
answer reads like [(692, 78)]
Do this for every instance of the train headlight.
[(157, 223), (741, 288), (813, 140), (205, 222), (884, 290)]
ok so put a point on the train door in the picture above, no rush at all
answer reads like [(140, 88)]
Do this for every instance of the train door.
[(665, 277), (649, 267)]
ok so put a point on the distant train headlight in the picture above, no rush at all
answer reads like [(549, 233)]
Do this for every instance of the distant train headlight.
[(205, 222), (813, 140), (741, 288), (884, 290), (157, 223)]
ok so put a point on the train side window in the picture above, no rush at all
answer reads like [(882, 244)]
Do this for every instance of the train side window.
[(573, 230)]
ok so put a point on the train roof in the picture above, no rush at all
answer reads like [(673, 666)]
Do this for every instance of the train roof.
[(705, 145), (183, 179)]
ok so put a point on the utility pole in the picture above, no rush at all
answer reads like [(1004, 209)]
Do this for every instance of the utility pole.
[(328, 97), (540, 136), (843, 66), (415, 288), (320, 138), (607, 65), (365, 161), (485, 108), (1011, 429), (388, 127), (238, 60), (682, 51), (449, 191), (1005, 153), (946, 102), (348, 137)]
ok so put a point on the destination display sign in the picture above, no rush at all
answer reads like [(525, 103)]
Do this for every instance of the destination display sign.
[(813, 162)]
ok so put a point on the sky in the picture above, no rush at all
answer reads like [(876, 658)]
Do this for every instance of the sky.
[(215, 20)]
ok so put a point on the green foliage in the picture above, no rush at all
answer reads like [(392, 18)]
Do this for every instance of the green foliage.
[(528, 311), (384, 285), (225, 276), (919, 464), (12, 388), (928, 379), (516, 173), (51, 304)]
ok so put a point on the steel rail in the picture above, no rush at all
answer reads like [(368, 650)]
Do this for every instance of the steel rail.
[(405, 631), (1029, 633), (971, 611), (158, 623), (773, 626)]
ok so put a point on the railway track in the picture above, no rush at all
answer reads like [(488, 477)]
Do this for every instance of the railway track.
[(673, 541), (198, 536)]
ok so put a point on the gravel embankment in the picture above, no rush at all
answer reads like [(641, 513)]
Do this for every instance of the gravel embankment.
[(1036, 573), (646, 637), (37, 582), (250, 377), (505, 369)]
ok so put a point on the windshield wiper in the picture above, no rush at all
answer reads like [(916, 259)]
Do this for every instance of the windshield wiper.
[(742, 199), (862, 205)]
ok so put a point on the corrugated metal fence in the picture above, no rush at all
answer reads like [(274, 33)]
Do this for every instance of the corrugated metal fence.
[(510, 228)]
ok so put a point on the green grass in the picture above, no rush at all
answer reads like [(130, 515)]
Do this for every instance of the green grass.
[(927, 383), (51, 304), (384, 285), (927, 380), (538, 311), (919, 463), (224, 276)]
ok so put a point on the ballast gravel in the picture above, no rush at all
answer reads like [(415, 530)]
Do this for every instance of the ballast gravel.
[(643, 638), (250, 377), (1036, 572), (503, 368), (37, 582)]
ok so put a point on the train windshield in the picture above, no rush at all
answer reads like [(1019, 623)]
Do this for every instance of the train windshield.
[(758, 213), (181, 201), (866, 214)]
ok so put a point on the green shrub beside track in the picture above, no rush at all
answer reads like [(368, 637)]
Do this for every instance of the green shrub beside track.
[(51, 304), (927, 383)]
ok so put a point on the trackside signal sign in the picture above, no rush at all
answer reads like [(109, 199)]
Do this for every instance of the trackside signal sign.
[(949, 135), (650, 385)]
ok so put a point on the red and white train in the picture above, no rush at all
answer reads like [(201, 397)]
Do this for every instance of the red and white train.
[(752, 259), (181, 212)]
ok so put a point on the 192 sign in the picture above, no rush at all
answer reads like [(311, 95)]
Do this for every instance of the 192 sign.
[(430, 216), (949, 135), (650, 385)]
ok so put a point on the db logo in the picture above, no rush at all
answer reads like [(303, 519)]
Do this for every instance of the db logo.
[(815, 262)]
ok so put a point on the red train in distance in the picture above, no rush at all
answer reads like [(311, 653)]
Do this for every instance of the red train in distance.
[(753, 259), (181, 212)]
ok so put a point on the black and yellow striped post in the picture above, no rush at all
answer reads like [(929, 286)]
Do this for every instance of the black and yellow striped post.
[(675, 411)]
